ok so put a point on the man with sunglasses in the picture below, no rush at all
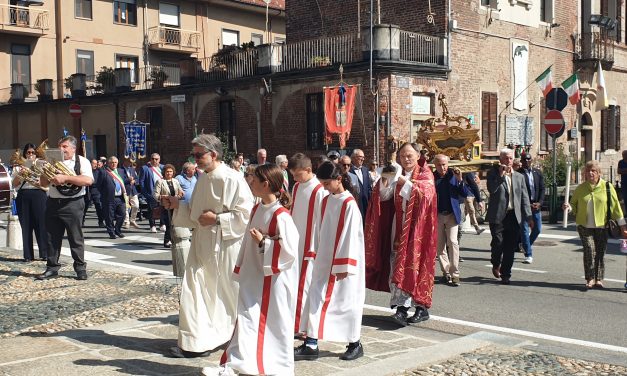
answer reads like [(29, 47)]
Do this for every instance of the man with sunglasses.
[(150, 173), (218, 211), (345, 164)]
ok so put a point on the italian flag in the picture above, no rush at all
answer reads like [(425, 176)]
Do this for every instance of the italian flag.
[(545, 82), (571, 86)]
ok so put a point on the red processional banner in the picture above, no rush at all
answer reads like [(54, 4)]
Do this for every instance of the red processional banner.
[(339, 107)]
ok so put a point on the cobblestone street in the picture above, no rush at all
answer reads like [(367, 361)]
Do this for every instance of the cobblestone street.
[(31, 306), (491, 361)]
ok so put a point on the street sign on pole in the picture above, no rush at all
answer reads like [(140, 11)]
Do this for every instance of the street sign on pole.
[(556, 99), (554, 122), (75, 111)]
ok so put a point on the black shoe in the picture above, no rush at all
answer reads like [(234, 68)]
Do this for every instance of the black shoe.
[(177, 352), (304, 352), (119, 235), (111, 236), (400, 318), (505, 281), (48, 274), (101, 224), (81, 276), (167, 245), (420, 315), (353, 352)]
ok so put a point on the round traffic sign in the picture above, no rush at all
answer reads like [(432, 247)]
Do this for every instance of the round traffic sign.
[(556, 99), (553, 122), (75, 110)]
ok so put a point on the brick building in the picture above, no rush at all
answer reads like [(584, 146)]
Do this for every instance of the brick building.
[(480, 53)]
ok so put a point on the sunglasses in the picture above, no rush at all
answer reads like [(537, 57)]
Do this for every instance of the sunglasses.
[(30, 152), (345, 164), (198, 155)]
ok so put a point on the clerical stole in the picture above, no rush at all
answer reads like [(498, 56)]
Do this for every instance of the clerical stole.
[(263, 339), (307, 200), (336, 306)]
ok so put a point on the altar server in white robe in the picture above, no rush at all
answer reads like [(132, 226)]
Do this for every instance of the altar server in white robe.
[(338, 288), (267, 270), (218, 211), (307, 196)]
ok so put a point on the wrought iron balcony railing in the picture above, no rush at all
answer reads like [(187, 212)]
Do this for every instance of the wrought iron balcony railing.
[(596, 46)]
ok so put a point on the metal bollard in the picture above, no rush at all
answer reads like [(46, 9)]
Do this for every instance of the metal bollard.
[(14, 232)]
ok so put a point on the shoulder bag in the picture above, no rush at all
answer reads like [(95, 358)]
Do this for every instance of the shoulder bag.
[(611, 225)]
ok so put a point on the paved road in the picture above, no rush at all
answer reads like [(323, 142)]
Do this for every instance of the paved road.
[(545, 299)]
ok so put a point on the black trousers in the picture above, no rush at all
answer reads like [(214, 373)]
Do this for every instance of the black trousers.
[(505, 238), (152, 203), (95, 199), (166, 216), (114, 213), (31, 209), (65, 214)]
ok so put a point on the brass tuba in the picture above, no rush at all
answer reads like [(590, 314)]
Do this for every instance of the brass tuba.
[(49, 169), (25, 173)]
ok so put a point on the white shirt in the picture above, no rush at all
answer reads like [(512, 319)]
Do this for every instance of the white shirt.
[(510, 190), (85, 171), (359, 174)]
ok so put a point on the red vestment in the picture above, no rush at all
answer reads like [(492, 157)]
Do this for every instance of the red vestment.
[(416, 235)]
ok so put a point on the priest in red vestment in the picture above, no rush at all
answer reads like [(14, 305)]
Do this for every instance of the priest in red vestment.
[(401, 237)]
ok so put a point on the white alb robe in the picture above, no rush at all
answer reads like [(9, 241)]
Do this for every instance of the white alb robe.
[(263, 341), (307, 200), (336, 307), (208, 303)]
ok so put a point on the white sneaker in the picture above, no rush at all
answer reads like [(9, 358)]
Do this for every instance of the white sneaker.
[(153, 229), (162, 228), (528, 260), (479, 230)]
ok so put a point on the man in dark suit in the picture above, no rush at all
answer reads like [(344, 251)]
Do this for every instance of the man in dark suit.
[(535, 189), (450, 188), (111, 183), (509, 207), (93, 196), (148, 176), (363, 176)]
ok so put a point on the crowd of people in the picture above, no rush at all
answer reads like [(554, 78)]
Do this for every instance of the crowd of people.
[(285, 250)]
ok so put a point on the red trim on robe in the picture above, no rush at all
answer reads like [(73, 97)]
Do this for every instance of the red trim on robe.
[(236, 270), (267, 286), (331, 283), (345, 261), (306, 252)]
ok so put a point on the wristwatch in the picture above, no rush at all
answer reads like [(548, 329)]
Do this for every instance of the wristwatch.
[(217, 220)]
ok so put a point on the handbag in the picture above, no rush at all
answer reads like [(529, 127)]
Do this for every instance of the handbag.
[(611, 225), (156, 212)]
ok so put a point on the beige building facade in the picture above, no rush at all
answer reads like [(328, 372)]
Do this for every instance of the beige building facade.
[(54, 39)]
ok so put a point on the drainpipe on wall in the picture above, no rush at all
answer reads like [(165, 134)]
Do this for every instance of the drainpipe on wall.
[(145, 46), (59, 47), (448, 36), (117, 126), (259, 125), (377, 130)]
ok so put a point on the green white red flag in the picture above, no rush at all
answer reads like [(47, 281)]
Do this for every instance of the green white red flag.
[(571, 87), (545, 82)]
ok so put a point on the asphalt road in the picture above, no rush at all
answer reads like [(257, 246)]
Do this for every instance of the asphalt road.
[(546, 298)]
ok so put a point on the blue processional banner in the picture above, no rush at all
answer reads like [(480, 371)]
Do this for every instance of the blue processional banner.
[(135, 132)]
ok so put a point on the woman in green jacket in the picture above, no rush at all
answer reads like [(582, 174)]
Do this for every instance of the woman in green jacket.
[(589, 202)]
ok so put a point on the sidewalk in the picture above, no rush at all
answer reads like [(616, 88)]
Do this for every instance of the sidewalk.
[(116, 324)]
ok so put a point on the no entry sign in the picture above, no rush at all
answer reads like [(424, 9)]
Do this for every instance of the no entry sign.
[(75, 111), (553, 122)]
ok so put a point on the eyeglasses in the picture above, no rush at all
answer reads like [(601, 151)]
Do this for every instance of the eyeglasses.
[(30, 152), (199, 155), (345, 164), (360, 156), (155, 159)]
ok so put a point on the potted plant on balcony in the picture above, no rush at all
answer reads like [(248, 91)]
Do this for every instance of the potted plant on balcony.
[(158, 77), (105, 80), (44, 88)]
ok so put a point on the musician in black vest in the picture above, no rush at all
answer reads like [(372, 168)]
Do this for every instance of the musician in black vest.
[(111, 183), (64, 210)]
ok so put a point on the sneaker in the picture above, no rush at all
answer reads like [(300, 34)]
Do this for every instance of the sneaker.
[(134, 224), (162, 228), (528, 260), (304, 352), (353, 352), (479, 230), (446, 279), (153, 229), (455, 281), (420, 315)]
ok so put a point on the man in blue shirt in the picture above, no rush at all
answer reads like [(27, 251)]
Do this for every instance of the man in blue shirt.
[(450, 187), (535, 189), (187, 178)]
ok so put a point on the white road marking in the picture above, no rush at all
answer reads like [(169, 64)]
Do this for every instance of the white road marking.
[(143, 239), (141, 249), (135, 267), (525, 270), (518, 332)]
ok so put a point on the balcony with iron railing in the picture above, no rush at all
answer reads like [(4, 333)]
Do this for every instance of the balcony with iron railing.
[(169, 39), (409, 51), (594, 47), (22, 20)]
